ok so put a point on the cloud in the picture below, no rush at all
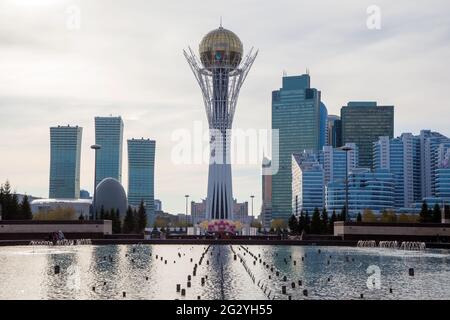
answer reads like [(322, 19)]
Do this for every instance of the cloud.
[(126, 59)]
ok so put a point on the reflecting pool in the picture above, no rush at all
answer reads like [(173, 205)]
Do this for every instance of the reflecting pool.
[(222, 272)]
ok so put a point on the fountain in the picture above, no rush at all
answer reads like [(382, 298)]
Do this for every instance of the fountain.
[(366, 244), (388, 244), (413, 245)]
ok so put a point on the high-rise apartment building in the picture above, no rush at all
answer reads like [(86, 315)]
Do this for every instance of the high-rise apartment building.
[(109, 135), (141, 174), (307, 183), (65, 157)]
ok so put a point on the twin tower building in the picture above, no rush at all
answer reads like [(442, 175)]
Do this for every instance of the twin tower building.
[(65, 161)]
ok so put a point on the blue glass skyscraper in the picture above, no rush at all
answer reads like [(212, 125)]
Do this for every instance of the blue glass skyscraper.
[(367, 190), (296, 116), (363, 123), (141, 174), (323, 134), (396, 156), (308, 189), (443, 173), (109, 135), (65, 156), (333, 161)]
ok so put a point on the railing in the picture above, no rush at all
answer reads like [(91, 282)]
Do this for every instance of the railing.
[(77, 242)]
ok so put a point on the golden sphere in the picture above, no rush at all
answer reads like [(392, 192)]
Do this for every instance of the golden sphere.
[(221, 48)]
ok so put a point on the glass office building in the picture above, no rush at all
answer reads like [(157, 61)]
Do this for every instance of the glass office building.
[(363, 123), (109, 135), (333, 161), (396, 156), (307, 183), (296, 116), (323, 133), (65, 156), (443, 173), (429, 145), (141, 174), (367, 189), (334, 131)]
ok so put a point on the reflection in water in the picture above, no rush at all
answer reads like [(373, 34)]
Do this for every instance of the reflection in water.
[(258, 272)]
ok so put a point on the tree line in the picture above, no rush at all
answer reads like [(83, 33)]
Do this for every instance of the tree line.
[(428, 215), (10, 207), (318, 223), (135, 221)]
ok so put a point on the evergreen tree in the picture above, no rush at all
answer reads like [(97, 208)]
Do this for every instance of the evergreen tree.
[(307, 226), (129, 221), (436, 216), (301, 222), (324, 221), (81, 217), (116, 222), (15, 208), (447, 212), (109, 215), (293, 224), (331, 224), (316, 224), (359, 217), (102, 213), (5, 200), (423, 216), (25, 209), (141, 218), (344, 214)]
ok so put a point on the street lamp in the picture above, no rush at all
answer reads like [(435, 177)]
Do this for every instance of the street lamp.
[(252, 196), (95, 147), (346, 149), (186, 219)]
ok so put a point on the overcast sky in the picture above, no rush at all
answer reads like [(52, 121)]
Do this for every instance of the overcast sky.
[(125, 58)]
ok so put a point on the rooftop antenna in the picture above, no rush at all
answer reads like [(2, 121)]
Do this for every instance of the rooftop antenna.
[(221, 21), (284, 73), (307, 71)]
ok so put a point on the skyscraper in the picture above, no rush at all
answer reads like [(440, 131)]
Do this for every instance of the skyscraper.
[(334, 131), (220, 73), (333, 162), (367, 189), (296, 116), (429, 145), (109, 135), (323, 123), (443, 173), (397, 156), (141, 174), (65, 156), (363, 123), (307, 183)]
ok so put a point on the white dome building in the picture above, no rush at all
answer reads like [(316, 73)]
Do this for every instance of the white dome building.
[(110, 195)]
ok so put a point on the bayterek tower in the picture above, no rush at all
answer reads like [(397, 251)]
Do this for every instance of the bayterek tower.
[(220, 73)]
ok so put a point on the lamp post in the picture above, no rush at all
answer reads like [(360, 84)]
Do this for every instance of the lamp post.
[(186, 219), (346, 149), (252, 196), (95, 147)]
